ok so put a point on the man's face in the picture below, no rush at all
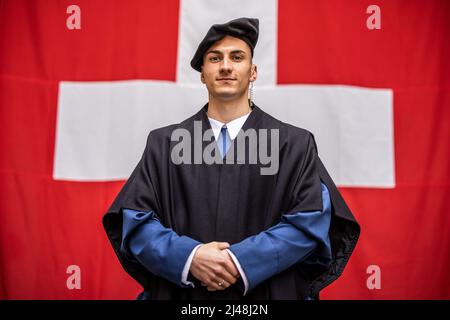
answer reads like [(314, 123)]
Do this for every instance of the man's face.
[(227, 69)]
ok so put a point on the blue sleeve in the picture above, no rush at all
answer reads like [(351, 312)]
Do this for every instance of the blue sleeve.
[(157, 248), (302, 236)]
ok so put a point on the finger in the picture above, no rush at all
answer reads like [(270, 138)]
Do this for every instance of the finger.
[(225, 284), (222, 284), (213, 286), (230, 266), (228, 277), (223, 245)]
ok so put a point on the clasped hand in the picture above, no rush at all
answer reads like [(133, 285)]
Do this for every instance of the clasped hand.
[(214, 267)]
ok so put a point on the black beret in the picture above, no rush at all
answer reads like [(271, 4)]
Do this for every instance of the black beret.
[(246, 29)]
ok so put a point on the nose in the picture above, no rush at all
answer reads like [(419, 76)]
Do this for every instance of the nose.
[(226, 66)]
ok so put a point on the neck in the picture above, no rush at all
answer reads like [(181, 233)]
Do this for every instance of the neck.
[(226, 111)]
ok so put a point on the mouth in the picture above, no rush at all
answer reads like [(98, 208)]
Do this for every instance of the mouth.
[(226, 79)]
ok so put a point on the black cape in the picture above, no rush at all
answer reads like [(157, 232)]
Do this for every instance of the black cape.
[(189, 198)]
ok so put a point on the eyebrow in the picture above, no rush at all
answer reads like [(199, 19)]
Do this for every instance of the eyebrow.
[(220, 52)]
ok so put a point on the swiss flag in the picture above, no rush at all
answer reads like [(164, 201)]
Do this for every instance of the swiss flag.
[(51, 217)]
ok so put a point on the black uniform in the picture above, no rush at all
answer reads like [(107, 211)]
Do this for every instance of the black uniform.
[(189, 198)]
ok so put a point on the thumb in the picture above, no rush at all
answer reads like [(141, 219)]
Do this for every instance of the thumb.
[(223, 245)]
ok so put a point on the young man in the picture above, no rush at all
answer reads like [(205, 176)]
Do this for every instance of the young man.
[(203, 216)]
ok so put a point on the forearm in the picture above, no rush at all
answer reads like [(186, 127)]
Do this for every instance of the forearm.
[(292, 240), (159, 249)]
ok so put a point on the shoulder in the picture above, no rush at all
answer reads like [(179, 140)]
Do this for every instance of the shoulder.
[(298, 133), (300, 139), (291, 130), (289, 133), (160, 137)]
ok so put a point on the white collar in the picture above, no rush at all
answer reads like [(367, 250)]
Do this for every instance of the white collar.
[(233, 126)]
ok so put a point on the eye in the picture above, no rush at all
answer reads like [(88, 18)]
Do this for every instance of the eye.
[(238, 58), (214, 59)]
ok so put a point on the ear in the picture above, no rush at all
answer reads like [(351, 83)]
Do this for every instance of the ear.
[(253, 73), (202, 77)]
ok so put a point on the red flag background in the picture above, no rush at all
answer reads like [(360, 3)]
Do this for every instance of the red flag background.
[(48, 225)]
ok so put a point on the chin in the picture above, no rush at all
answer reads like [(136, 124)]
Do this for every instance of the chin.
[(226, 94)]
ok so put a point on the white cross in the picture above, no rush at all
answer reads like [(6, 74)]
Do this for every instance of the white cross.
[(102, 126)]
